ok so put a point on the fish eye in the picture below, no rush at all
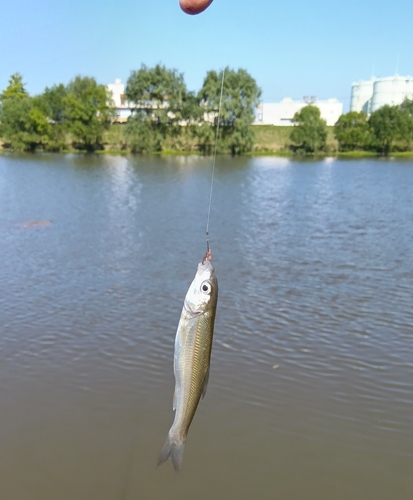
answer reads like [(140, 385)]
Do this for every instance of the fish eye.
[(206, 287)]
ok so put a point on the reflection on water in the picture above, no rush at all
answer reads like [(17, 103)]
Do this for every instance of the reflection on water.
[(311, 388)]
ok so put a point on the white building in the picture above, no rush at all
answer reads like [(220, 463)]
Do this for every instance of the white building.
[(282, 113), (370, 95), (123, 107), (361, 93), (279, 113)]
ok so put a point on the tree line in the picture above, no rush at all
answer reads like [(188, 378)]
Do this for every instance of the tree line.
[(80, 112), (388, 129), (164, 113)]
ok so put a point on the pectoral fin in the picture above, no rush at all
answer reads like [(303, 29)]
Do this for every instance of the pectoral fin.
[(204, 387)]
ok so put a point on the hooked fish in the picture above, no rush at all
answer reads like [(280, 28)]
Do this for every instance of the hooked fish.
[(193, 343)]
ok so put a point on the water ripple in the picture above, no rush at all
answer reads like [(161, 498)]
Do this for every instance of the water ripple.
[(313, 337)]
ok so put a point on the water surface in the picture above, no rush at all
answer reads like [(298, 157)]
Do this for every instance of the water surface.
[(311, 387)]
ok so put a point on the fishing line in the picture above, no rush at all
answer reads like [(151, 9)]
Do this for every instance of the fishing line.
[(214, 162), (128, 468)]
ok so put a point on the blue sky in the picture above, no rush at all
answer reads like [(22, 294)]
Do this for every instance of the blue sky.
[(292, 48)]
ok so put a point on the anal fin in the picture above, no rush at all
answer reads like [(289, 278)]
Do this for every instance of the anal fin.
[(204, 387)]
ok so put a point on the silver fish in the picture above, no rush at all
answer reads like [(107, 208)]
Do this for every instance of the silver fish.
[(193, 343)]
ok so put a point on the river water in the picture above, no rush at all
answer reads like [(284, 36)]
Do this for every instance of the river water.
[(311, 387)]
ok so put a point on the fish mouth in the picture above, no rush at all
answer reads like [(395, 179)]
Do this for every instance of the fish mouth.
[(208, 256), (189, 310)]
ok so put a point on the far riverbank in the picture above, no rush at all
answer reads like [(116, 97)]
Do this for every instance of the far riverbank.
[(269, 141)]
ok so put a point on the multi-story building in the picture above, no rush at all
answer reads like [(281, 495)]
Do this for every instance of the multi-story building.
[(279, 113), (123, 107)]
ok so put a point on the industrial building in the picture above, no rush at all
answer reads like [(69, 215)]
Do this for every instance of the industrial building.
[(279, 113), (370, 95), (282, 113)]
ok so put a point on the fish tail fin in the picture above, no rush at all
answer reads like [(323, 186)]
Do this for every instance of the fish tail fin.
[(173, 449)]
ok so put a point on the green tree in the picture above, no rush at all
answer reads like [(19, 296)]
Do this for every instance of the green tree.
[(389, 124), (52, 104), (205, 135), (352, 131), (159, 92), (407, 107), (88, 111), (24, 126), (191, 111), (310, 130), (239, 100), (141, 134), (15, 89), (162, 103)]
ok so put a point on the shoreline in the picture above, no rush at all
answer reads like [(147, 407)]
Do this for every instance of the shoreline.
[(257, 153), (269, 141)]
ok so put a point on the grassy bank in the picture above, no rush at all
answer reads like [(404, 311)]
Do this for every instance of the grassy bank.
[(269, 141)]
